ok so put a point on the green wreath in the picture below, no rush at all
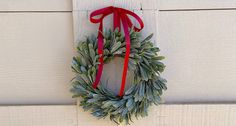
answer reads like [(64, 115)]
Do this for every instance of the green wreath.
[(146, 90)]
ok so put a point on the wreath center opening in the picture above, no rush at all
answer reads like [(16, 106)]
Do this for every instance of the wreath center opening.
[(112, 74)]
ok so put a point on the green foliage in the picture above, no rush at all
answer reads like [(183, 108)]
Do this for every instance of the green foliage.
[(144, 61)]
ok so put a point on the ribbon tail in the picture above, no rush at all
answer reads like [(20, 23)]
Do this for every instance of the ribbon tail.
[(126, 60), (100, 53)]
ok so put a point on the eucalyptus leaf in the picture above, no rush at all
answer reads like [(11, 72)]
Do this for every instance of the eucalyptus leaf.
[(91, 51), (143, 74), (115, 47), (129, 102), (147, 38)]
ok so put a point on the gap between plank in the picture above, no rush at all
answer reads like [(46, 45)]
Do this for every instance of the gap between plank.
[(208, 9), (35, 11)]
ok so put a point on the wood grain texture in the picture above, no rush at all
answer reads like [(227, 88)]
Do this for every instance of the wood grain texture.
[(36, 51), (38, 115), (35, 5), (83, 27), (199, 47), (195, 4), (130, 4)]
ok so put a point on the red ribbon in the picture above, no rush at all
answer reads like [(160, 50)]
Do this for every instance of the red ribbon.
[(119, 15)]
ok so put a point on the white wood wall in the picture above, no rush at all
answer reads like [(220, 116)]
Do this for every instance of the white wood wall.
[(36, 48), (198, 40), (37, 43)]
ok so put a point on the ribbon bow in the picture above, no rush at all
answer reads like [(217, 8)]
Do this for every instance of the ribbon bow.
[(119, 15)]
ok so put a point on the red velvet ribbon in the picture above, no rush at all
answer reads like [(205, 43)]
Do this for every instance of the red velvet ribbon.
[(119, 15)]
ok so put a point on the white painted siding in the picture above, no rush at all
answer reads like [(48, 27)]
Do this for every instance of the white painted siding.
[(164, 115), (55, 115), (35, 5), (196, 4), (199, 46), (37, 45), (36, 51)]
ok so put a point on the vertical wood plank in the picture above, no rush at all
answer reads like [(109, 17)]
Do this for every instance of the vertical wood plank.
[(146, 9), (150, 23), (83, 27), (131, 4)]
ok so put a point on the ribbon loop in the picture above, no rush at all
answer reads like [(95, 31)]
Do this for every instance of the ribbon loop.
[(119, 15), (135, 17)]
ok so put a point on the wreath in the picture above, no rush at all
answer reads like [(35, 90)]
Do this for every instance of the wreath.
[(145, 63)]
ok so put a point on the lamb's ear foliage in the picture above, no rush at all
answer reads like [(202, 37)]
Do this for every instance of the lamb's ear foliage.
[(144, 61)]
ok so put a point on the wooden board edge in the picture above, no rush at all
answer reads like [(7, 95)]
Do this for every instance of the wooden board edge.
[(35, 6)]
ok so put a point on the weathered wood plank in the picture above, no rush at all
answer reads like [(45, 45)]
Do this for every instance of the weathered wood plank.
[(83, 27), (36, 51), (199, 47), (130, 4), (195, 4), (55, 115), (35, 5)]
